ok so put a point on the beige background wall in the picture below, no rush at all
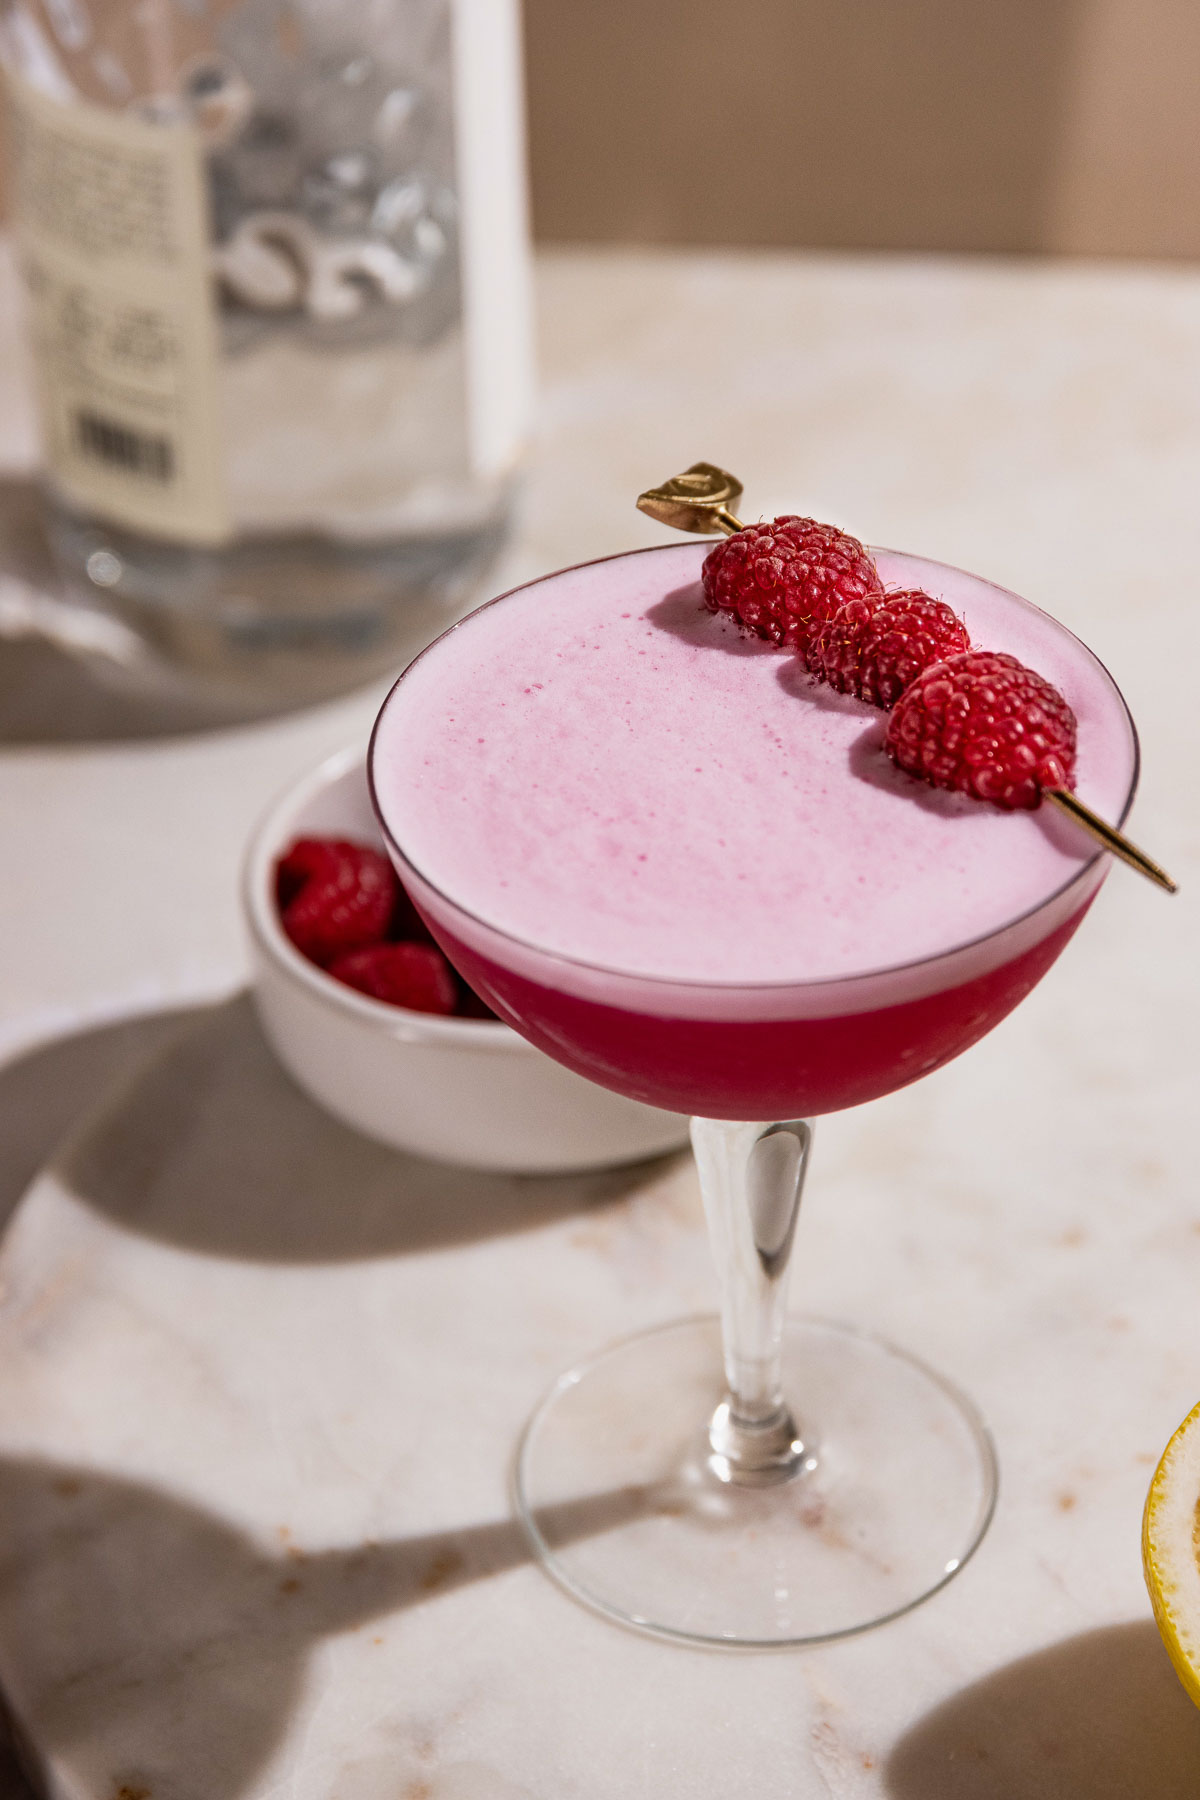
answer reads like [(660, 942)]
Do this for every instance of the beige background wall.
[(996, 125), (1002, 125)]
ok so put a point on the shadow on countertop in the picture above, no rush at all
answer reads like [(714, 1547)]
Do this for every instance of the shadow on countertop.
[(153, 1646), (158, 1651), (207, 1144), (43, 1093), (46, 1091), (215, 1148), (1101, 1716)]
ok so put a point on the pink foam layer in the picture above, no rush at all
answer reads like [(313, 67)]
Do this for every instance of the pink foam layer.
[(598, 766)]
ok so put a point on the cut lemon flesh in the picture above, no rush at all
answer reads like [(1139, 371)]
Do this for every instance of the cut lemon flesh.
[(1171, 1550)]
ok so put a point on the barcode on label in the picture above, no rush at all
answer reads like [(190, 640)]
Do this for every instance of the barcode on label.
[(121, 447)]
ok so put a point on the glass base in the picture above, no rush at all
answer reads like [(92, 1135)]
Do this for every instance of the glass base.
[(628, 1501)]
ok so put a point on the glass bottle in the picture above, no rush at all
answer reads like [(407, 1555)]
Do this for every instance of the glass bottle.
[(277, 273)]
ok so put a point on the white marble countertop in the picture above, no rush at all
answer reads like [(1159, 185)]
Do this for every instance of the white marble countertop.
[(1030, 1212)]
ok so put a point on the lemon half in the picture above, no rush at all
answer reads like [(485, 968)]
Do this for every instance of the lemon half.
[(1171, 1550)]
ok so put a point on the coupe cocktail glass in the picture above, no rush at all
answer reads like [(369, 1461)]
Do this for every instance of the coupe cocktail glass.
[(757, 1480)]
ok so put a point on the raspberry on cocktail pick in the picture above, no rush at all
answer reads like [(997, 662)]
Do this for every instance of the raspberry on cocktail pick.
[(781, 579), (784, 579), (981, 723), (873, 650)]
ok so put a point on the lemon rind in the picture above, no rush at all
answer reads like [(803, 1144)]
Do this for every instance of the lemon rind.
[(1170, 1550)]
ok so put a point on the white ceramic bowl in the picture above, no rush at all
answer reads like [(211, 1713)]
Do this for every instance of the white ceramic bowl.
[(467, 1091)]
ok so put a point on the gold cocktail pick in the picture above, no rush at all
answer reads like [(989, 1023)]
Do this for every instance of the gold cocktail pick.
[(699, 501), (1109, 836)]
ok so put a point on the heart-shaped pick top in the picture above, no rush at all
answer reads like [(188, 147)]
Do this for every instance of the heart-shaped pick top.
[(699, 500)]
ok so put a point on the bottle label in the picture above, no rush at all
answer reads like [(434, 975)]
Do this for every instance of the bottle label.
[(112, 225)]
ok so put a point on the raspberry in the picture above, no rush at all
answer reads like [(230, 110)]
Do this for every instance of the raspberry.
[(874, 652), (309, 859), (413, 975), (785, 579), (406, 926), (984, 724), (334, 896)]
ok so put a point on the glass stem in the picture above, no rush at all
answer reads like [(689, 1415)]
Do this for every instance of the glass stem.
[(751, 1179)]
